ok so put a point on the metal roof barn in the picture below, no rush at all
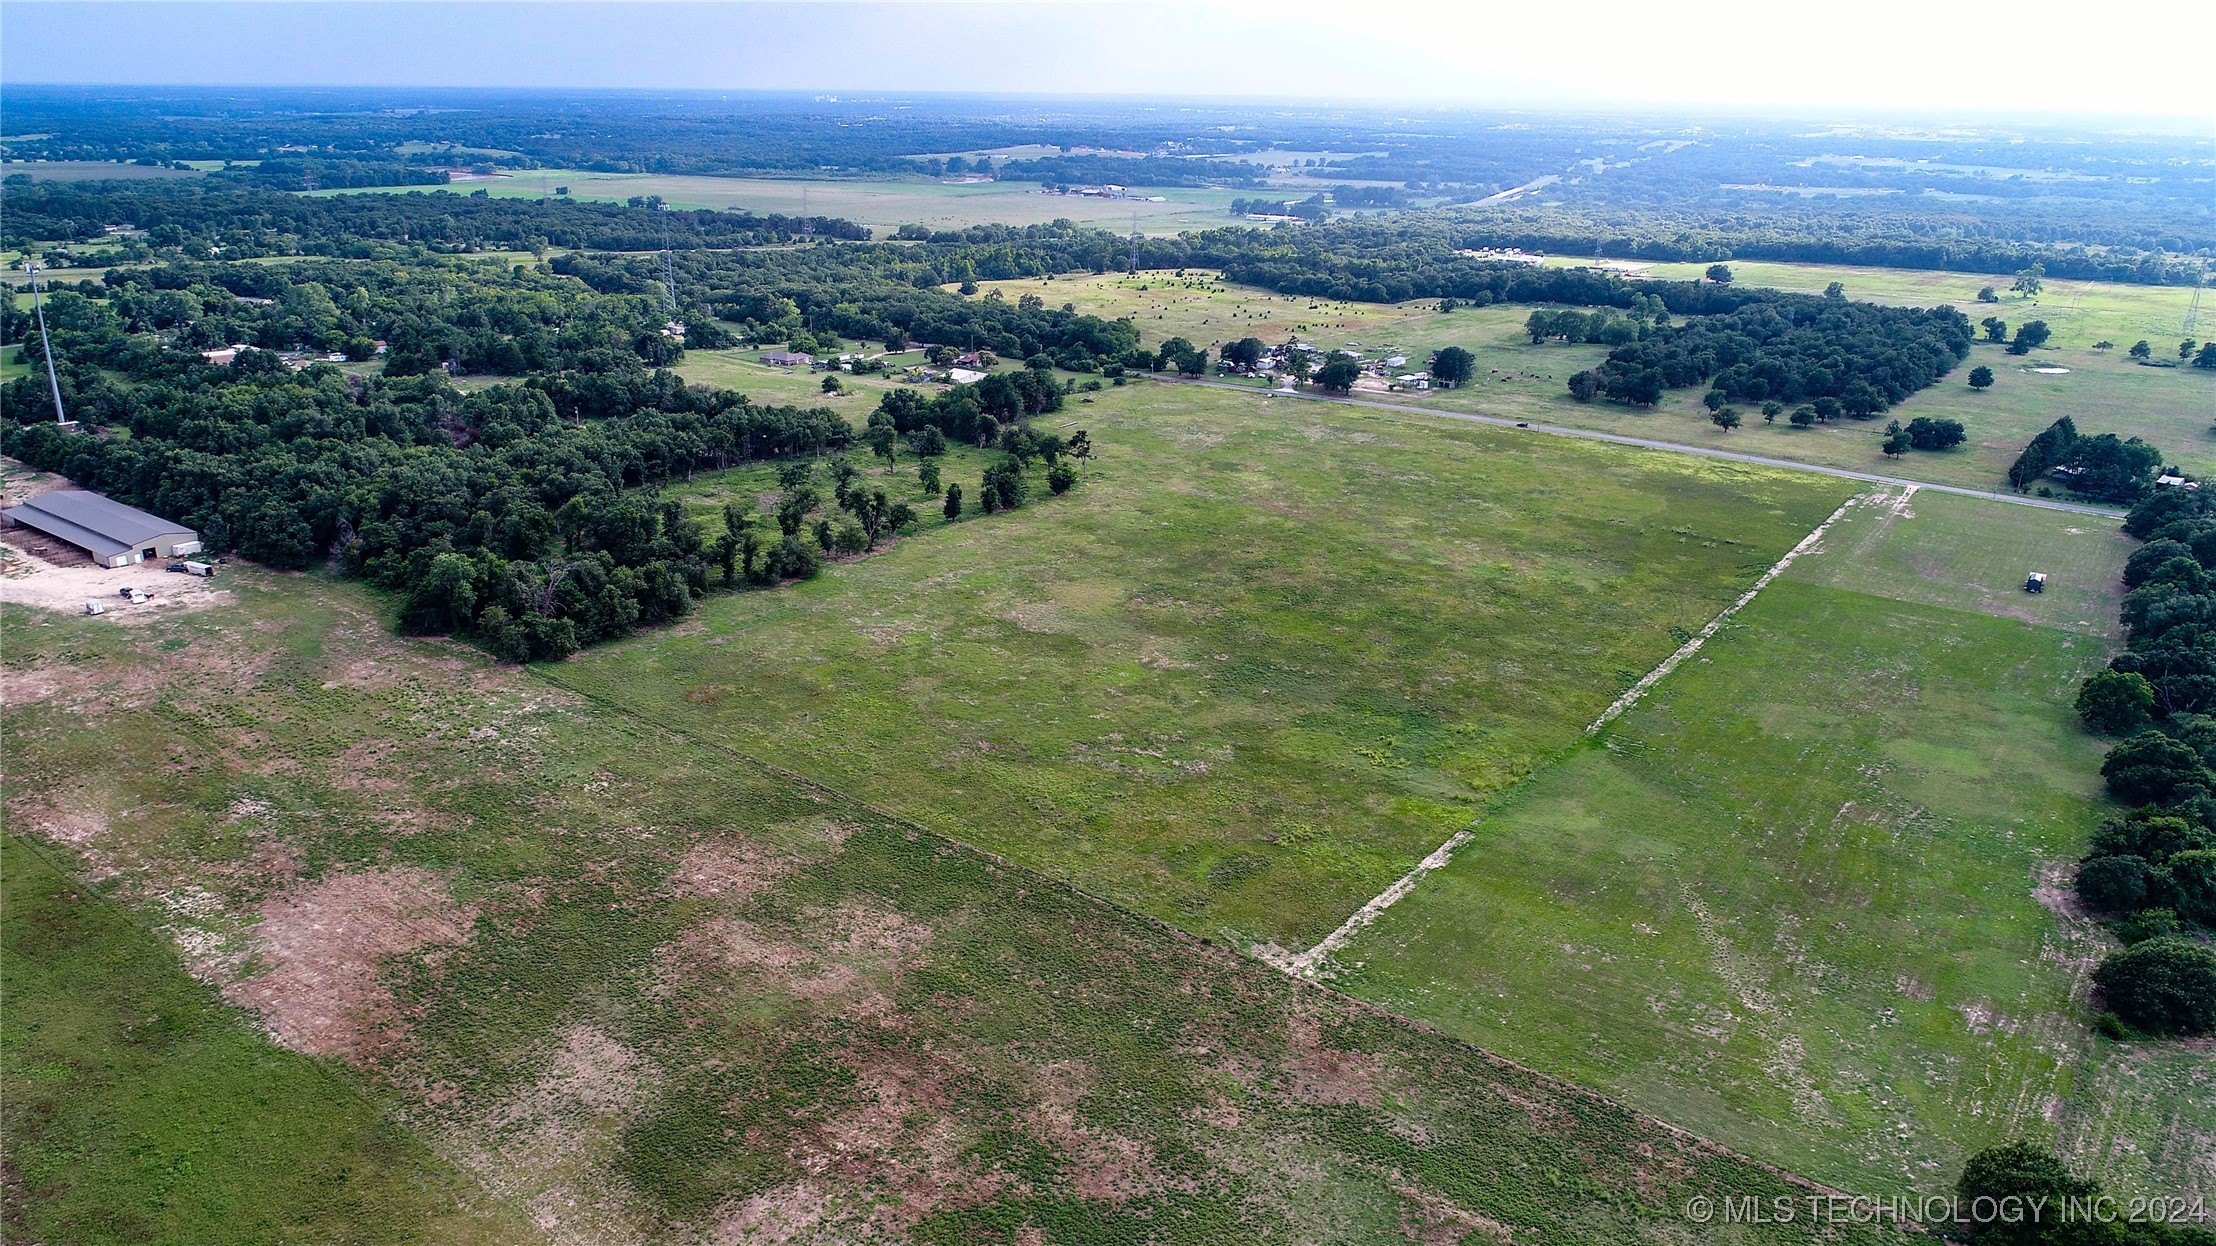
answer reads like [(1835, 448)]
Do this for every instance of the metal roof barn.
[(114, 534)]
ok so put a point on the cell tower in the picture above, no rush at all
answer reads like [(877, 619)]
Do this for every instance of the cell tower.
[(46, 346), (674, 327), (1134, 243), (669, 266), (807, 223)]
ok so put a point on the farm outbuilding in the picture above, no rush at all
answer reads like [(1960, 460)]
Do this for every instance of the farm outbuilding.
[(114, 534)]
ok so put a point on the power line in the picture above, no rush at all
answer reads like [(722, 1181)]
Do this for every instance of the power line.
[(669, 266)]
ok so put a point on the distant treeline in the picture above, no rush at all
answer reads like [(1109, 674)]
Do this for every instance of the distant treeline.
[(196, 216), (2119, 245), (1095, 170), (296, 173)]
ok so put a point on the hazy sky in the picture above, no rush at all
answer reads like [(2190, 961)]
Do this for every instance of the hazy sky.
[(2134, 59)]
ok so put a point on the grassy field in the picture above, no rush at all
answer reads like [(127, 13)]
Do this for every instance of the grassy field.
[(644, 990), (1201, 308), (883, 205), (141, 1108), (2080, 312), (1264, 658), (1795, 898), (2104, 392)]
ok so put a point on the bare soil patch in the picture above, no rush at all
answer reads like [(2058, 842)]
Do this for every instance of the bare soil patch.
[(325, 947), (41, 572)]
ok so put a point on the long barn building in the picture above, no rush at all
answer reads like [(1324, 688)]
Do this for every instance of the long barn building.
[(114, 534)]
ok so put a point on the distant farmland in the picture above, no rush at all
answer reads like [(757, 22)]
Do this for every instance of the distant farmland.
[(883, 205)]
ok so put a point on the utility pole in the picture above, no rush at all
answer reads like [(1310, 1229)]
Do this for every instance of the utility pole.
[(53, 382)]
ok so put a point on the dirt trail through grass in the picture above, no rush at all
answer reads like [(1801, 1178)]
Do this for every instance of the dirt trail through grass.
[(1309, 963)]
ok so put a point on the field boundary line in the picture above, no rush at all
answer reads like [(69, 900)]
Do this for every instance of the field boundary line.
[(1172, 931), (1307, 964)]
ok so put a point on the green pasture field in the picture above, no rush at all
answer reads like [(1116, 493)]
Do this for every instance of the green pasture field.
[(2080, 312), (643, 989), (2173, 408), (141, 1108), (1262, 659), (1944, 549), (2103, 393), (883, 205), (1810, 897), (1201, 308)]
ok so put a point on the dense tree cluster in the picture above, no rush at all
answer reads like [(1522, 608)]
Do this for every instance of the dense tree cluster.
[(2022, 1194), (2103, 467), (435, 311), (891, 294), (524, 513), (2154, 869), (1790, 349)]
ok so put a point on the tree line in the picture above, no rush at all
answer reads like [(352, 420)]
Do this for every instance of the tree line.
[(1857, 359), (192, 219), (2102, 468), (2152, 871)]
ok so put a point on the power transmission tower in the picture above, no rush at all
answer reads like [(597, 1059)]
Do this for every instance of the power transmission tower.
[(807, 223), (46, 346), (669, 267), (1134, 243)]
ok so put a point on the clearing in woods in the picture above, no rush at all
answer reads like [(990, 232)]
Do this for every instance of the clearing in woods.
[(1259, 663), (1810, 896), (643, 990), (2103, 391)]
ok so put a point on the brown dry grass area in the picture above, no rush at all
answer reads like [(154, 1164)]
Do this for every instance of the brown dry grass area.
[(322, 950)]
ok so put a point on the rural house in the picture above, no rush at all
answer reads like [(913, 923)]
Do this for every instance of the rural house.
[(787, 358), (114, 534)]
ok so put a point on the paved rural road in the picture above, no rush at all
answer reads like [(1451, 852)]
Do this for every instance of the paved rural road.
[(1650, 443)]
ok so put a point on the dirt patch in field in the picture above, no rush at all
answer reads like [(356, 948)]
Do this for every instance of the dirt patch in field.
[(900, 1133), (20, 687), (41, 572), (1103, 1164), (538, 1147), (1317, 1072), (1431, 1220), (846, 959), (324, 948), (734, 869), (789, 1213)]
